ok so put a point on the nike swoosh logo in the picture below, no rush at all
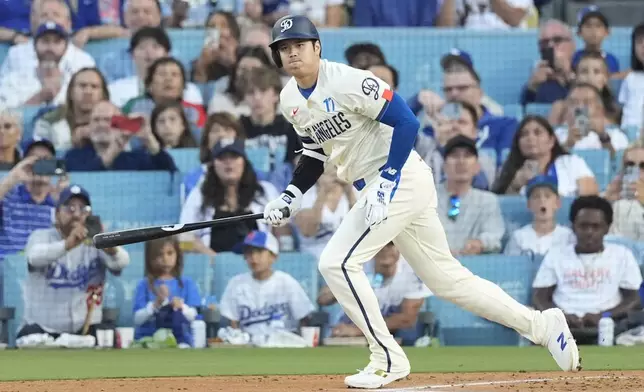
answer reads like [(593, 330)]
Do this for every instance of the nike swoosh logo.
[(295, 111)]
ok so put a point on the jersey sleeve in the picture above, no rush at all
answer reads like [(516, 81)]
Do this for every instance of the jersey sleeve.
[(228, 304), (362, 92), (300, 303)]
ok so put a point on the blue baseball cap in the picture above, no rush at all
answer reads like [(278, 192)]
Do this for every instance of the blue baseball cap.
[(229, 145), (38, 141), (258, 239), (457, 55), (51, 27), (592, 11), (73, 191), (541, 181)]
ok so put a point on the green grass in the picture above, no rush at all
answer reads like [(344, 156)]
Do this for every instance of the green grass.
[(73, 364)]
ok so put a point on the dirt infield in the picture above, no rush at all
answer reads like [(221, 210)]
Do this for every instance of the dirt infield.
[(626, 381)]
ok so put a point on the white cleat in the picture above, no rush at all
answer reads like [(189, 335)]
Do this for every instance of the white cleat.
[(372, 378), (560, 341)]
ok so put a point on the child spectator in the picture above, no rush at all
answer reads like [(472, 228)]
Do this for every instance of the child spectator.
[(543, 233), (593, 28), (11, 126), (264, 300), (164, 298), (631, 94), (170, 126)]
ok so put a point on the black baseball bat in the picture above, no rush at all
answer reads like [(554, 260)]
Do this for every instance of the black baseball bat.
[(125, 237)]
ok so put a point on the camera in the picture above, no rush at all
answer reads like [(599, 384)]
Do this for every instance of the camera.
[(49, 167), (93, 225)]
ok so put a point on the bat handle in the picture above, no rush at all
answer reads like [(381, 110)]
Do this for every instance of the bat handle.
[(286, 212)]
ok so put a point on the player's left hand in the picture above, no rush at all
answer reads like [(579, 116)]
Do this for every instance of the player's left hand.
[(377, 202)]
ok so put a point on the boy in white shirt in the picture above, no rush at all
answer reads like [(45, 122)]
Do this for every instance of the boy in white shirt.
[(263, 300), (589, 278), (543, 233)]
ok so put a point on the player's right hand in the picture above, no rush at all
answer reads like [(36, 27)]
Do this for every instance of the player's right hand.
[(273, 211)]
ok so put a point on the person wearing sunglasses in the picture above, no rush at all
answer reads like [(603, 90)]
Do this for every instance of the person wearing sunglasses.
[(628, 189), (471, 217), (551, 77), (622, 183)]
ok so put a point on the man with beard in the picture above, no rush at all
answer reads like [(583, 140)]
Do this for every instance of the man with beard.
[(106, 148), (63, 264), (27, 200)]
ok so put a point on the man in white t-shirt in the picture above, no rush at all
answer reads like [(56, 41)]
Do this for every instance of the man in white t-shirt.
[(493, 14), (264, 300), (400, 294), (589, 278), (543, 233)]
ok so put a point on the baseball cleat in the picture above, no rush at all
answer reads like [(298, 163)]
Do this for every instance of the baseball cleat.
[(372, 378), (560, 342)]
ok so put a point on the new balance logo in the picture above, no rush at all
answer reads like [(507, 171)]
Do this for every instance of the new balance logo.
[(562, 341)]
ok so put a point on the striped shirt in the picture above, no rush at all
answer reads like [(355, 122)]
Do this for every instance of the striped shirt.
[(21, 215)]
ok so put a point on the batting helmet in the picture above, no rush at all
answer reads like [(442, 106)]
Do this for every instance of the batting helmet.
[(291, 27)]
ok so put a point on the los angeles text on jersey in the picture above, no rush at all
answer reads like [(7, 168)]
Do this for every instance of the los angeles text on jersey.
[(329, 128)]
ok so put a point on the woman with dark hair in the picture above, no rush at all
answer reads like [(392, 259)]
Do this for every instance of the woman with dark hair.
[(164, 298), (171, 127), (165, 82), (219, 53), (66, 125), (631, 94), (535, 151), (230, 188)]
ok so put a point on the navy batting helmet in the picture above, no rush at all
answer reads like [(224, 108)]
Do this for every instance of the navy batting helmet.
[(291, 27)]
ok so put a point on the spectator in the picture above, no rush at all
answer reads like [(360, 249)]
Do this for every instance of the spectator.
[(323, 208), (592, 129), (67, 125), (471, 217), (411, 13), (170, 126), (106, 148), (147, 45), (493, 14), (27, 199), (229, 188), (164, 298), (257, 34), (281, 296), (589, 278), (590, 69), (10, 136), (543, 233), (400, 293), (23, 57), (19, 20), (387, 73), (265, 126), (593, 28), (363, 55), (620, 187), (628, 191), (550, 82), (232, 100), (535, 150), (631, 94), (165, 81), (219, 54), (136, 15), (66, 273)]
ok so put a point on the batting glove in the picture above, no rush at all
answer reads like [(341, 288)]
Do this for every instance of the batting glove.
[(274, 210), (377, 202)]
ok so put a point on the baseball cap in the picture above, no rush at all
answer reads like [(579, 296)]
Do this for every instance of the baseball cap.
[(460, 141), (541, 181), (155, 33), (73, 191), (229, 145), (38, 141), (592, 11), (51, 27), (457, 55), (258, 239)]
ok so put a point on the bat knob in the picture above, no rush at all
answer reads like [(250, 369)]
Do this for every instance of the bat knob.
[(286, 212)]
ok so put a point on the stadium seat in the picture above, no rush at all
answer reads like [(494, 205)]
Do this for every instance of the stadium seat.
[(513, 110), (516, 213), (186, 159), (633, 133), (539, 109), (28, 115), (458, 327), (600, 163), (14, 276)]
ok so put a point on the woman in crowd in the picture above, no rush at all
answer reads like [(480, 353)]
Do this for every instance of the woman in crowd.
[(627, 190), (165, 82), (170, 126), (219, 54), (631, 94), (621, 186), (534, 151), (230, 188), (165, 299), (67, 125)]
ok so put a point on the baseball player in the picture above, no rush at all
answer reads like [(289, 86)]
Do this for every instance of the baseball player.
[(353, 119)]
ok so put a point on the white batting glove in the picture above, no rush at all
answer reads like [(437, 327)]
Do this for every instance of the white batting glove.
[(377, 202), (273, 212)]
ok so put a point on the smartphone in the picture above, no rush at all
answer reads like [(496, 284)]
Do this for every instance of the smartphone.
[(451, 110), (93, 225), (212, 38), (548, 55), (582, 120), (49, 167), (127, 124)]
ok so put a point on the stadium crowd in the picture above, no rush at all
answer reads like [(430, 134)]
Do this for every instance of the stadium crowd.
[(128, 110)]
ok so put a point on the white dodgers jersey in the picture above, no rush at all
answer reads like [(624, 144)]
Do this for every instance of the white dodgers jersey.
[(339, 120), (262, 306)]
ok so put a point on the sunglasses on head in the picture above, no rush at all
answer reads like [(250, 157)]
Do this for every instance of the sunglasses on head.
[(633, 163), (556, 40), (454, 207)]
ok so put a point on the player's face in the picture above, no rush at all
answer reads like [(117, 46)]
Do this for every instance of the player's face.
[(590, 227), (461, 165), (593, 31), (594, 72), (229, 167), (300, 58), (544, 203), (535, 141), (461, 86), (259, 261), (386, 260)]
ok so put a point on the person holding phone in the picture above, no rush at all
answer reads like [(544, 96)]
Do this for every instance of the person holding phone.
[(219, 53), (628, 191)]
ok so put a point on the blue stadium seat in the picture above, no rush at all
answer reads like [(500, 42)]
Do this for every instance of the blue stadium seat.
[(458, 327), (600, 163), (513, 110), (633, 133), (186, 159), (516, 213), (15, 274), (28, 115), (539, 109)]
